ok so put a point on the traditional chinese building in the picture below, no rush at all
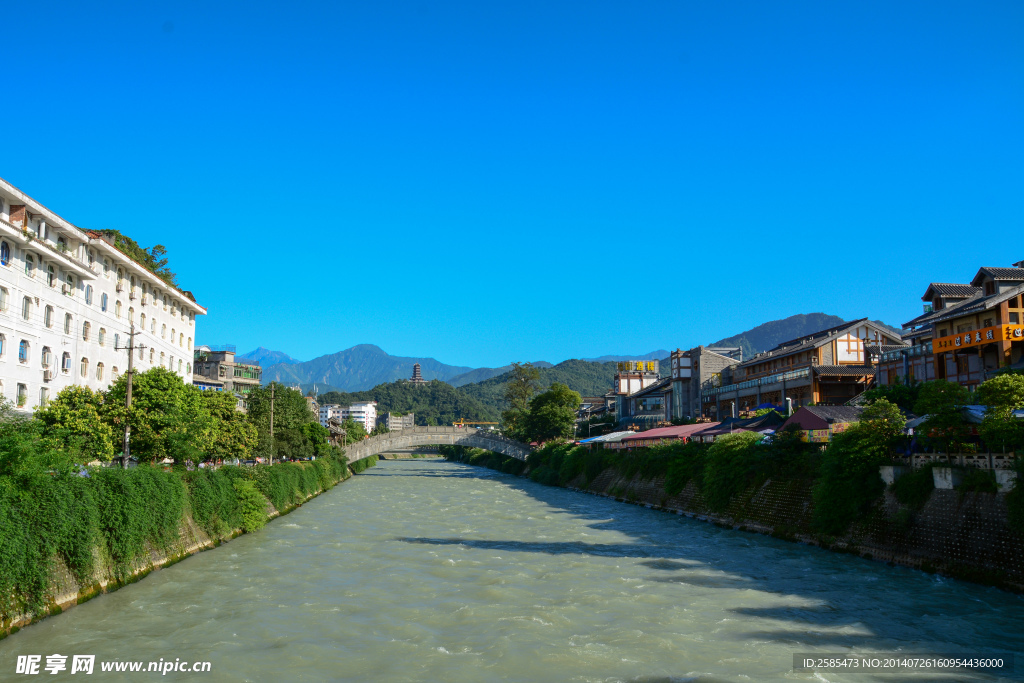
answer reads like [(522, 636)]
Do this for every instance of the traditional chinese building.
[(966, 333), (416, 378), (829, 367)]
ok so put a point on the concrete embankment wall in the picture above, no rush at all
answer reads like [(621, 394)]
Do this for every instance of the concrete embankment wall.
[(66, 592), (962, 535)]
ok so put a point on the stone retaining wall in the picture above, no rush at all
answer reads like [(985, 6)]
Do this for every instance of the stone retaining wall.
[(962, 535)]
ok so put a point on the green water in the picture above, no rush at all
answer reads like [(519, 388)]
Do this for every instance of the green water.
[(431, 571)]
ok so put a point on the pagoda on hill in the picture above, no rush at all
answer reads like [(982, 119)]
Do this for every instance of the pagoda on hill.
[(417, 378)]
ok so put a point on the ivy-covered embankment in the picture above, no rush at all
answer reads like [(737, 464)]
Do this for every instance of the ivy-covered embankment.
[(834, 498), (65, 538)]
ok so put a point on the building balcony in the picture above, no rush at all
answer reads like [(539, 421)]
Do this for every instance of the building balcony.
[(764, 382)]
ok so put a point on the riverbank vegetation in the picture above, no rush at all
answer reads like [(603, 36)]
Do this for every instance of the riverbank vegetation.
[(843, 478), (64, 505)]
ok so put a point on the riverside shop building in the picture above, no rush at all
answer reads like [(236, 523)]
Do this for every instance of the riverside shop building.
[(829, 367), (966, 333), (68, 300)]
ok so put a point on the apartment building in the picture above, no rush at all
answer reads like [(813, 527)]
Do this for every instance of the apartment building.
[(69, 300), (395, 422)]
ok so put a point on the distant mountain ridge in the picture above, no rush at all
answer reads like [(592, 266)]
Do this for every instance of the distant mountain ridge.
[(771, 334), (266, 357), (357, 369), (653, 355)]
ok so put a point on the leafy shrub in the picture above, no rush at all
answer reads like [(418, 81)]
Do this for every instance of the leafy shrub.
[(251, 506), (849, 481), (914, 488), (978, 481), (733, 464)]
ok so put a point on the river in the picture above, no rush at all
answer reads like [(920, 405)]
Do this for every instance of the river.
[(432, 571)]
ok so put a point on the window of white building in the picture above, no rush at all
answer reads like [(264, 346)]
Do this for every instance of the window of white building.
[(142, 321), (131, 314), (44, 396), (23, 351), (102, 337), (88, 294), (84, 370), (86, 327), (30, 265), (99, 371), (3, 299), (117, 310), (67, 323), (117, 341), (22, 395), (5, 254), (48, 316), (65, 362), (114, 374), (47, 357), (106, 267), (163, 332), (70, 285), (26, 308), (103, 302), (51, 275)]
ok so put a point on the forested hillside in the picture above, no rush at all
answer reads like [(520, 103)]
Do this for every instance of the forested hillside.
[(435, 403), (586, 377)]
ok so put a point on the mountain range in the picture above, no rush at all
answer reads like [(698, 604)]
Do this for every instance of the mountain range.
[(356, 369), (365, 366)]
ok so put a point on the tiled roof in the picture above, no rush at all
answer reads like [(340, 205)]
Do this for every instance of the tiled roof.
[(998, 274), (1005, 273), (814, 340), (844, 370), (950, 289)]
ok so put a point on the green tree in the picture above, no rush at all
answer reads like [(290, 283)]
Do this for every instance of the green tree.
[(939, 395), (941, 400), (72, 423), (551, 415), (167, 417), (903, 395), (1003, 394), (519, 389), (885, 422), (849, 481)]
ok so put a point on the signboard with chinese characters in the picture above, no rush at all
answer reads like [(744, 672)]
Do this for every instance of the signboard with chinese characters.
[(986, 335), (637, 366)]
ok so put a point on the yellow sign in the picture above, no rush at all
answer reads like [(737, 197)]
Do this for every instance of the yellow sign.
[(986, 335), (636, 366)]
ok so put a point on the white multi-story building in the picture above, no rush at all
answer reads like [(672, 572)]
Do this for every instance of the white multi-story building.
[(329, 411), (68, 299), (364, 413)]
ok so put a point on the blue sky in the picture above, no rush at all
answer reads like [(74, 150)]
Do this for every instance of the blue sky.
[(488, 182)]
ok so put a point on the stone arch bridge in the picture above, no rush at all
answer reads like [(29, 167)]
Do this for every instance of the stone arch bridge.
[(437, 436)]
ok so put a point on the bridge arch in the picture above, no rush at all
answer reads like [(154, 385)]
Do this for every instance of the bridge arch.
[(437, 436)]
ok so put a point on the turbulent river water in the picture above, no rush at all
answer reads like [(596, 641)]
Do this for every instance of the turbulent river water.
[(432, 571)]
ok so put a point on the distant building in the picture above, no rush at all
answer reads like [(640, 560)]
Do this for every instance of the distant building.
[(632, 376), (416, 378), (396, 422), (695, 370), (365, 413), (218, 363), (314, 407), (329, 411)]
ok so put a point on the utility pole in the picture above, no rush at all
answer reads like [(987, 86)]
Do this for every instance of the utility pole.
[(271, 423), (126, 444)]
